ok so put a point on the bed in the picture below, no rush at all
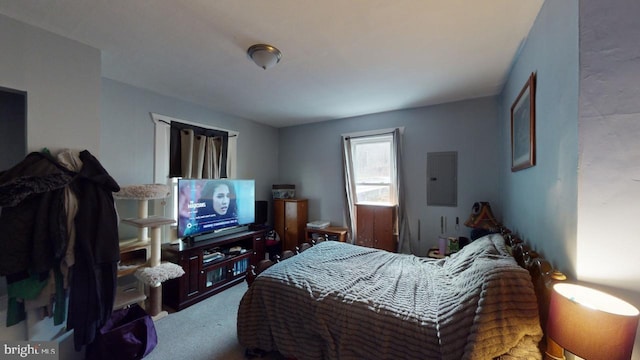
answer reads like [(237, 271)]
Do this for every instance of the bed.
[(341, 301)]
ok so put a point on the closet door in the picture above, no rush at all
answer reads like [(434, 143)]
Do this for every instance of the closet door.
[(278, 217), (291, 217)]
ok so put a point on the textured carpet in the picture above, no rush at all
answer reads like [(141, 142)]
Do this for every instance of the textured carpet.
[(204, 331)]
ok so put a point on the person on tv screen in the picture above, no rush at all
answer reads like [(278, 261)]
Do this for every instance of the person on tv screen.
[(222, 208), (215, 207), (222, 197)]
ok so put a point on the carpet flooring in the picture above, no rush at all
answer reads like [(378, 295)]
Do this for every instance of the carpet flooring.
[(204, 331)]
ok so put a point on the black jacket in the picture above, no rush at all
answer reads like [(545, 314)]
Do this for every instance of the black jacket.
[(33, 234), (94, 274)]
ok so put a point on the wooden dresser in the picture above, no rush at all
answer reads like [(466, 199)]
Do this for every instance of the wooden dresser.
[(376, 226), (290, 220)]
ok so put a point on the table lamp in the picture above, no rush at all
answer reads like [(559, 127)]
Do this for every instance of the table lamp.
[(591, 324), (482, 217)]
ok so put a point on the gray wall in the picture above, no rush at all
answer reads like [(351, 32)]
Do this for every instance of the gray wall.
[(55, 72), (62, 79), (582, 197), (540, 202), (550, 204), (70, 106), (310, 157), (128, 133), (609, 191), (609, 129)]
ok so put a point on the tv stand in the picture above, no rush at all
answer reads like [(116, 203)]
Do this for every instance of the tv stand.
[(211, 265)]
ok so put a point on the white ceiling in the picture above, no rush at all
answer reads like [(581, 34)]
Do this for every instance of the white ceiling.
[(341, 58)]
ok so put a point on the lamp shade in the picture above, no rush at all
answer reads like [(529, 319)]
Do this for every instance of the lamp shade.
[(591, 324), (482, 217)]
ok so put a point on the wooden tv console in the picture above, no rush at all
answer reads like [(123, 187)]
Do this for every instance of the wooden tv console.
[(206, 272)]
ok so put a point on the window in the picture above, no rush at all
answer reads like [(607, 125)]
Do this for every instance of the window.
[(372, 174), (174, 197), (374, 169), (161, 161)]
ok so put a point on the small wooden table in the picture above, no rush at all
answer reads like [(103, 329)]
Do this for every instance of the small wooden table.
[(331, 232)]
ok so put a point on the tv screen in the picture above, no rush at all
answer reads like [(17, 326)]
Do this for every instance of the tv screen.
[(210, 205)]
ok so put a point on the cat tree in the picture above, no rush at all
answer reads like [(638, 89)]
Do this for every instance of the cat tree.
[(153, 272)]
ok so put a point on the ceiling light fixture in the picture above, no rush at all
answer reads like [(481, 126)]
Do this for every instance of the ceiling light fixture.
[(264, 55)]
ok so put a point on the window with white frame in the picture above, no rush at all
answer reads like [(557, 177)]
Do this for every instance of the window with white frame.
[(374, 169)]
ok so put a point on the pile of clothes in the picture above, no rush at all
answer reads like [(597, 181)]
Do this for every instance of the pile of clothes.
[(59, 240)]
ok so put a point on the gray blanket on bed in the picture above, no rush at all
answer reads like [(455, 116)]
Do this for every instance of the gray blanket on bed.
[(341, 301)]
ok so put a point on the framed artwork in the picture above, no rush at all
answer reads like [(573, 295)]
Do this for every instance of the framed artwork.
[(523, 127)]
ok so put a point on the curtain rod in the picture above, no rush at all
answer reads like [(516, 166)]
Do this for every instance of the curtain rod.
[(169, 123), (349, 137)]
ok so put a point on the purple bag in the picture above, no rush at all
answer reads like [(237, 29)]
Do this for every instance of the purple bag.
[(128, 334)]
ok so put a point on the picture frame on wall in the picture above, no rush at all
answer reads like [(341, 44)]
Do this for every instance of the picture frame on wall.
[(523, 129)]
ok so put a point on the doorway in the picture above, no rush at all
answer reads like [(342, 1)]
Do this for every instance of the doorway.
[(13, 127), (13, 136)]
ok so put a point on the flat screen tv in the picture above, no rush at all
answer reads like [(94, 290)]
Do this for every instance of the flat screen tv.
[(212, 206)]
